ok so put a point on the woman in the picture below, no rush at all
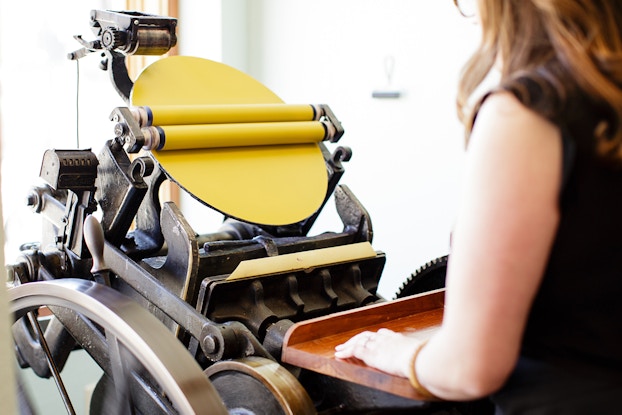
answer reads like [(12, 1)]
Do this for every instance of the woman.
[(533, 310)]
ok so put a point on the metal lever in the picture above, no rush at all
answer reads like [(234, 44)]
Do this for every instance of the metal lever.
[(88, 47), (94, 238)]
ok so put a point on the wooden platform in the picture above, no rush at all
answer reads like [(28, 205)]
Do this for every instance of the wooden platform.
[(311, 344)]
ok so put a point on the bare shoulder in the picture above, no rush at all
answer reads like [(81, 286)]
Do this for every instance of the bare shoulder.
[(504, 114)]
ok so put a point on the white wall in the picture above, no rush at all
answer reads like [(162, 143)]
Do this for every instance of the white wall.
[(38, 99), (407, 152)]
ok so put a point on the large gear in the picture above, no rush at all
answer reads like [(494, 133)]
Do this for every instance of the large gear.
[(428, 277)]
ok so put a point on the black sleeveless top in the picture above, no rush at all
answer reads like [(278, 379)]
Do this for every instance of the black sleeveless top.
[(571, 357)]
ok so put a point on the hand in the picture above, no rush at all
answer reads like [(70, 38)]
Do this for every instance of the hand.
[(385, 350)]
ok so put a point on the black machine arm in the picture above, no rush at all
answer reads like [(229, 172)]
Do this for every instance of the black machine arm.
[(122, 33)]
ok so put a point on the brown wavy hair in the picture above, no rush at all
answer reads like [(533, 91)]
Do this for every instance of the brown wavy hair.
[(566, 48)]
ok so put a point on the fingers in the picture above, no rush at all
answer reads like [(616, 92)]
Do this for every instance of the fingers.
[(362, 344), (385, 350), (354, 344)]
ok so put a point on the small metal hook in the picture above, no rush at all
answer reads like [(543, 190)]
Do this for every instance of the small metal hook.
[(389, 67)]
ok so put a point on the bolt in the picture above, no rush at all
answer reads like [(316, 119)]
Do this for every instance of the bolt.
[(119, 130), (209, 344)]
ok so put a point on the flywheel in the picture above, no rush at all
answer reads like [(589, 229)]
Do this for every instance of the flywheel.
[(141, 358), (256, 386)]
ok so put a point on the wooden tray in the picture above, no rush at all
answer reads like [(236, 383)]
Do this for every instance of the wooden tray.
[(311, 344)]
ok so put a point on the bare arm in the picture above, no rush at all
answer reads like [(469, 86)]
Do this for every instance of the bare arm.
[(500, 246)]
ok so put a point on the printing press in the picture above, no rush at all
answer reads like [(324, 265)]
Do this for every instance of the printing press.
[(182, 322)]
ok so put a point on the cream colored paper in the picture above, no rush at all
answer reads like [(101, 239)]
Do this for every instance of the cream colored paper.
[(303, 260)]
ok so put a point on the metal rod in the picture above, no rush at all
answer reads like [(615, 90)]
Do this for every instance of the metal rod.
[(55, 373)]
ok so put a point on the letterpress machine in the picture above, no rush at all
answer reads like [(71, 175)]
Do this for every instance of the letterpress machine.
[(182, 322)]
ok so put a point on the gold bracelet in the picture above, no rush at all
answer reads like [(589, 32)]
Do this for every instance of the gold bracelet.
[(412, 376)]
